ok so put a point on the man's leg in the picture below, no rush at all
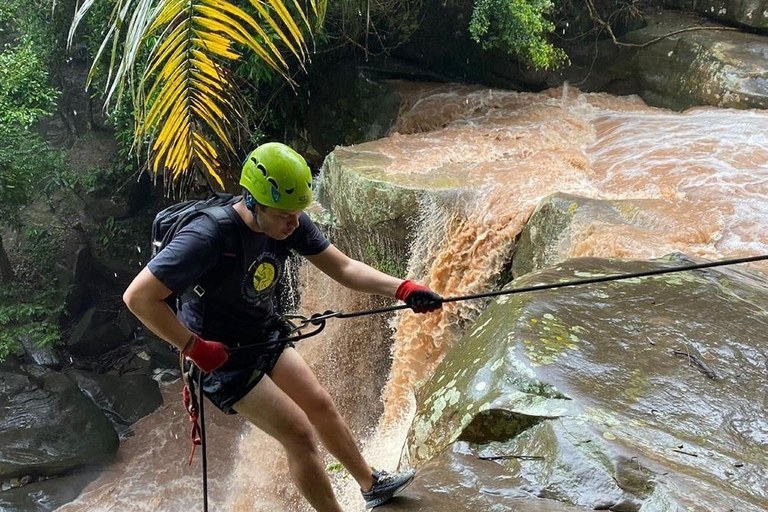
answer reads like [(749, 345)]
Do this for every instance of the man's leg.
[(295, 377), (273, 411)]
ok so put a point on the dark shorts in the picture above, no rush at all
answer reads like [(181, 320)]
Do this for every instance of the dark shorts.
[(244, 369)]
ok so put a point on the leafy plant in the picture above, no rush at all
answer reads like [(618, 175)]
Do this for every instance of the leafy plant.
[(518, 27), (24, 90), (186, 100), (28, 313), (109, 232)]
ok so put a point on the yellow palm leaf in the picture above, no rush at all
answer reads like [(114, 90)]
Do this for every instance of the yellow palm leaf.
[(186, 99)]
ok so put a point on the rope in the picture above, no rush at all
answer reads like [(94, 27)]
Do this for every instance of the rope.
[(538, 287), (201, 399)]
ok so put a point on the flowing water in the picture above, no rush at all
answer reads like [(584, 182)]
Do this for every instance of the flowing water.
[(702, 176)]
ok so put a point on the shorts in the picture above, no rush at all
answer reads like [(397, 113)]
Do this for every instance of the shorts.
[(228, 385)]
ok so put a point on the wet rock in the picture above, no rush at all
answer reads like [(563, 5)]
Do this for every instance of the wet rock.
[(565, 225), (47, 426), (372, 211), (123, 399), (458, 481), (95, 334), (704, 67), (45, 495), (41, 355), (748, 13), (594, 395)]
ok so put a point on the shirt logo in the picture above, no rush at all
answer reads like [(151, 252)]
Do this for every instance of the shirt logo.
[(264, 276), (261, 279)]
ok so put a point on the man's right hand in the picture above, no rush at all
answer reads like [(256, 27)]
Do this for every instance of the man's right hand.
[(207, 355)]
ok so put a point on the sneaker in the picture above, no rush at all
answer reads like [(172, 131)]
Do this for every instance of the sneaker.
[(386, 486)]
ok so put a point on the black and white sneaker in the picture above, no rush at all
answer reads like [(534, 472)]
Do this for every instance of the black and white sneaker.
[(386, 486)]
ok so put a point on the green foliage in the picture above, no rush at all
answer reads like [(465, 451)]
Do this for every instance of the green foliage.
[(109, 232), (28, 312), (27, 163), (37, 22), (24, 90), (25, 94), (39, 247), (518, 27)]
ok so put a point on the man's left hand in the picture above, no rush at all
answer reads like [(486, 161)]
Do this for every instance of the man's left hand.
[(420, 298)]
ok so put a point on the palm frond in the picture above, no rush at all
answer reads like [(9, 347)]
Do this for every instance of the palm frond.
[(185, 99)]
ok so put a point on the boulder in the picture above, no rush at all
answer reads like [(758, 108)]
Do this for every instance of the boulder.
[(748, 13), (642, 394), (699, 67), (95, 334), (374, 211), (40, 355), (124, 399), (46, 494), (48, 427)]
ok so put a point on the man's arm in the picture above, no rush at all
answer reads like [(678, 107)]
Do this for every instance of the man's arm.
[(354, 274), (145, 297), (361, 277)]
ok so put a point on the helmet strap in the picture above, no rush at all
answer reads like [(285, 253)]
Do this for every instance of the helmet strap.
[(250, 201), (252, 205)]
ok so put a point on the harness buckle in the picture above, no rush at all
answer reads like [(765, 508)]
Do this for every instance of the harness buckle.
[(198, 290)]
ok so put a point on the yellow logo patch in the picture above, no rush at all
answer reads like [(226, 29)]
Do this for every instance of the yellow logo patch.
[(263, 276)]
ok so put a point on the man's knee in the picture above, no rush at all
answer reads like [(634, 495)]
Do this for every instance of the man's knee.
[(301, 439), (321, 407)]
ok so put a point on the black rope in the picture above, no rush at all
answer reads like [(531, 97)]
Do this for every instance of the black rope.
[(550, 286), (201, 401)]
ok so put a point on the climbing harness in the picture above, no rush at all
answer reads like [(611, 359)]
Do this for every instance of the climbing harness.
[(194, 403)]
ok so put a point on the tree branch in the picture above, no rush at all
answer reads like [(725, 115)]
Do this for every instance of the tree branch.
[(597, 19)]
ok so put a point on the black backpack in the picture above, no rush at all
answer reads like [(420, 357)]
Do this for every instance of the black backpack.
[(171, 220)]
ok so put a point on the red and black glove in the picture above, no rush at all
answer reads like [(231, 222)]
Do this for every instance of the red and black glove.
[(207, 355), (420, 298)]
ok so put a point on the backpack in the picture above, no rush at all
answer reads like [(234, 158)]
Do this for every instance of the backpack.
[(171, 220)]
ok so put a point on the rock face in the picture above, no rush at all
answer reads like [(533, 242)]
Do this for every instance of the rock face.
[(700, 67), (124, 399), (375, 211), (749, 13), (644, 394), (562, 223), (48, 426), (690, 68)]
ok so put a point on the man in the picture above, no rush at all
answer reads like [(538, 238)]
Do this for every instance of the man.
[(271, 385)]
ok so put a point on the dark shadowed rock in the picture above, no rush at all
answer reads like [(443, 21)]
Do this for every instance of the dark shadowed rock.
[(40, 355), (123, 399), (749, 13), (48, 426), (45, 495), (95, 334)]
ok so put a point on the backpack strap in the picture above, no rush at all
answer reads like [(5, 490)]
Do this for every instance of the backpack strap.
[(230, 249)]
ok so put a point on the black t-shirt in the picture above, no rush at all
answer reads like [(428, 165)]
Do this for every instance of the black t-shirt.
[(239, 307)]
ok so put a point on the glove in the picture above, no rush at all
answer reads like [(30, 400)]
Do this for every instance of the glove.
[(207, 355), (420, 298)]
